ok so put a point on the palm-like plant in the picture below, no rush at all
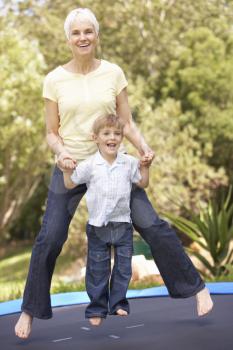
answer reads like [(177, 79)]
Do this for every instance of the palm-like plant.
[(212, 230)]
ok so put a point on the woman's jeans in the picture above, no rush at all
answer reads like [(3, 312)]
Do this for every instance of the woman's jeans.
[(179, 275), (108, 297)]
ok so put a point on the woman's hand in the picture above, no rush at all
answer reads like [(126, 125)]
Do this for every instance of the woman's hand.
[(65, 162), (147, 155)]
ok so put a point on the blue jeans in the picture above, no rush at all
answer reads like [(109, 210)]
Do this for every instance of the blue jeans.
[(179, 275), (108, 297)]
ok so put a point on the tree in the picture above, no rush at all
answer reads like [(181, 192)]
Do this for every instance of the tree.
[(201, 77), (177, 56), (180, 176), (23, 155)]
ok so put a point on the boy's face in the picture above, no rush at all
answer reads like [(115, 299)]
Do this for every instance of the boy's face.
[(108, 140)]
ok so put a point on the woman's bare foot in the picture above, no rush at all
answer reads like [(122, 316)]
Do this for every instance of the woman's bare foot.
[(121, 312), (23, 326), (95, 321), (204, 302)]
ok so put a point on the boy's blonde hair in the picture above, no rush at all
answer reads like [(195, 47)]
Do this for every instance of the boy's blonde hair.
[(109, 120)]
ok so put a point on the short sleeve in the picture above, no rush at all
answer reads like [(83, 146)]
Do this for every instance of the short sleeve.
[(49, 90), (82, 173), (135, 171), (121, 81)]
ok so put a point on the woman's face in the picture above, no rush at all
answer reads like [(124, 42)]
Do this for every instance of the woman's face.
[(83, 38)]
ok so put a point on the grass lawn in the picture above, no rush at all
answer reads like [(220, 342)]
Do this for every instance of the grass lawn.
[(13, 271), (14, 268)]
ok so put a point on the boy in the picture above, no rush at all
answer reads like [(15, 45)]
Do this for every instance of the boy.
[(109, 176)]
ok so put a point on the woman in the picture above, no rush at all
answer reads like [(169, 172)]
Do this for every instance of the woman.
[(75, 95)]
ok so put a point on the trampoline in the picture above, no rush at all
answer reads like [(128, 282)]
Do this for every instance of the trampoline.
[(156, 322)]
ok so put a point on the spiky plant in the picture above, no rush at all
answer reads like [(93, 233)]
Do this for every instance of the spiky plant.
[(212, 230)]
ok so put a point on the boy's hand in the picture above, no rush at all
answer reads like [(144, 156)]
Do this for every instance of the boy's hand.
[(68, 165)]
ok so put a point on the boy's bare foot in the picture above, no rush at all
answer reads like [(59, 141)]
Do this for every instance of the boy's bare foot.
[(95, 321), (23, 326), (121, 312), (204, 302)]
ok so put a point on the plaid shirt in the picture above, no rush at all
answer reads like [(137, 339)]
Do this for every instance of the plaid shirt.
[(108, 187)]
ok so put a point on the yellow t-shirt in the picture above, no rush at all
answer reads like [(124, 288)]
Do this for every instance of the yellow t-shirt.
[(81, 99)]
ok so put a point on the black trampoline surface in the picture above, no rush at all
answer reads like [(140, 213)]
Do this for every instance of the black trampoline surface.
[(159, 323)]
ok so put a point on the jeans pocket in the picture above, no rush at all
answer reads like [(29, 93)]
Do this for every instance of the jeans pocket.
[(125, 251), (124, 255), (99, 261)]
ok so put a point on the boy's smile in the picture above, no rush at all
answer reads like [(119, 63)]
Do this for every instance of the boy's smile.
[(108, 141)]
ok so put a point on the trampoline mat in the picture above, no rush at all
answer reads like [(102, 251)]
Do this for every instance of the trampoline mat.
[(159, 323)]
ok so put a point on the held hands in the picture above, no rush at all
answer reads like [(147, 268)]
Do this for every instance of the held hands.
[(147, 156), (145, 161), (65, 162)]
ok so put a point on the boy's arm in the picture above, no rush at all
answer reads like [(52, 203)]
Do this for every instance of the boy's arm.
[(67, 172), (69, 184), (80, 175), (144, 171)]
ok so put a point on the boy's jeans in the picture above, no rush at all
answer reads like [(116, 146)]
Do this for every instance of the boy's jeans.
[(177, 270), (108, 298)]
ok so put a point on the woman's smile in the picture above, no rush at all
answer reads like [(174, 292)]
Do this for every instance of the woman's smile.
[(83, 37)]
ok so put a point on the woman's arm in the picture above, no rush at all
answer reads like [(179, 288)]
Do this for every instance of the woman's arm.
[(53, 138), (131, 131)]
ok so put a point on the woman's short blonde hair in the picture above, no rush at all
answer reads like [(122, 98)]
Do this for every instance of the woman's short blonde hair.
[(86, 14), (109, 120)]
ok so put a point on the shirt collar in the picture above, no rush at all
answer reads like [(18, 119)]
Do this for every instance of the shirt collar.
[(100, 160)]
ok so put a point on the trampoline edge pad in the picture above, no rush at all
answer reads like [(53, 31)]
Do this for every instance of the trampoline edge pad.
[(74, 298)]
